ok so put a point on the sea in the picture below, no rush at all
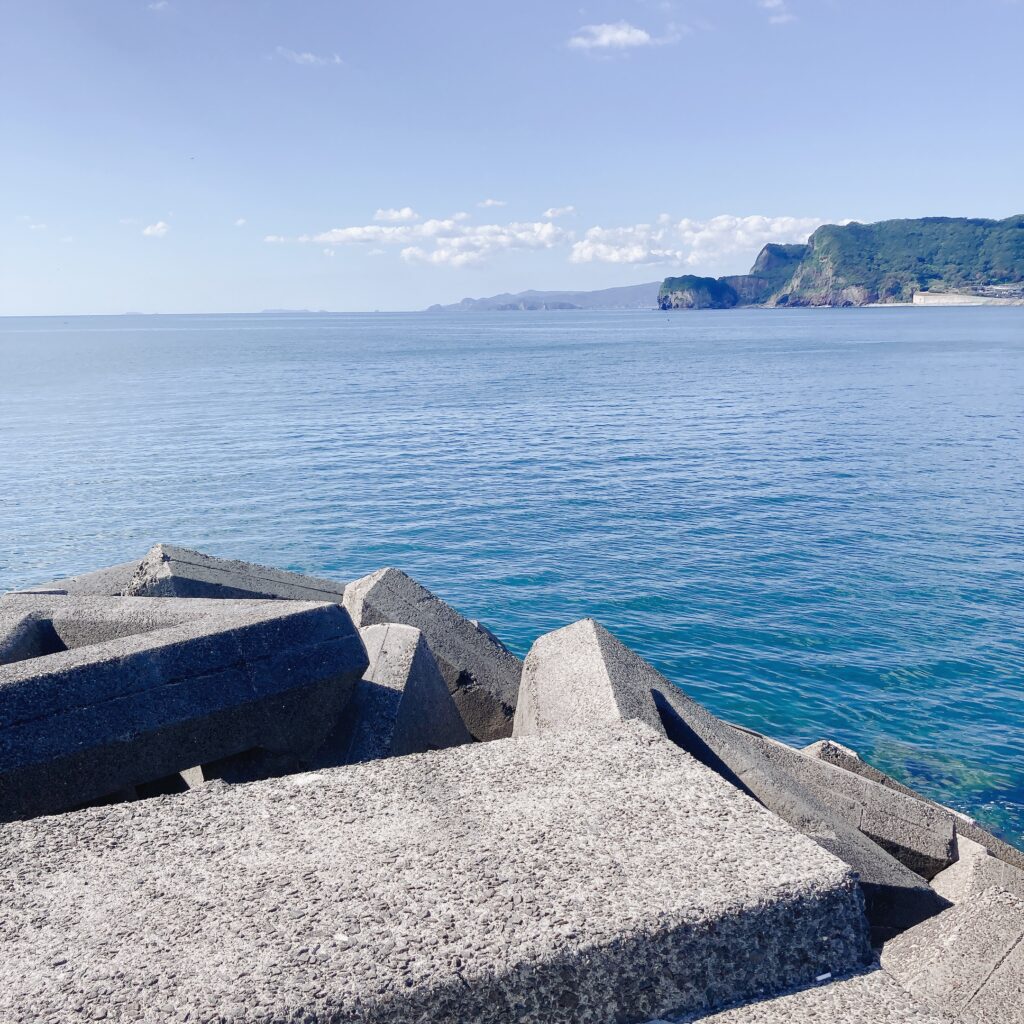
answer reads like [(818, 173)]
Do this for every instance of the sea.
[(811, 520)]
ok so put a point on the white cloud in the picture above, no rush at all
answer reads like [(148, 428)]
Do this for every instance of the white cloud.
[(158, 5), (451, 241), (778, 11), (490, 203), (329, 252), (37, 227), (617, 35), (307, 58), (461, 215), (558, 211), (709, 245), (157, 230), (240, 223), (406, 213), (274, 239)]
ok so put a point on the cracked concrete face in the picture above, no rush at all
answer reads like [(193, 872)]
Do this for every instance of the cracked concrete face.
[(482, 675), (130, 690), (967, 963), (593, 876), (581, 675)]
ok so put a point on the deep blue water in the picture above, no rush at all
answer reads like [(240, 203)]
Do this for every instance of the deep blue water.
[(810, 519)]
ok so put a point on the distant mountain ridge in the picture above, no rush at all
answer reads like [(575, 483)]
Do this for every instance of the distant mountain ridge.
[(631, 296), (862, 264)]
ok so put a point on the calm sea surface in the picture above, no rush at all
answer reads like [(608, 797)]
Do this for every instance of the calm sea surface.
[(813, 520)]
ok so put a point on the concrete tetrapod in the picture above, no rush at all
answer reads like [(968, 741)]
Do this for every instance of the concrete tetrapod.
[(844, 757), (130, 690), (400, 706), (585, 877), (169, 571), (917, 833), (967, 963), (581, 675), (975, 871), (482, 676)]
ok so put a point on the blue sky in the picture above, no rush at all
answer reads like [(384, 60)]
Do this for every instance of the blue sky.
[(209, 155)]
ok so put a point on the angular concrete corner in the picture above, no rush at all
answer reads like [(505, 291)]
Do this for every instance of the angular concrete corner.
[(401, 705), (580, 877), (975, 871), (482, 676), (169, 571), (868, 998), (967, 963), (844, 757), (918, 834), (124, 691), (581, 675)]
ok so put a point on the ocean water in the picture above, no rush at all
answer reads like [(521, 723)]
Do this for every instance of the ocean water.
[(812, 520)]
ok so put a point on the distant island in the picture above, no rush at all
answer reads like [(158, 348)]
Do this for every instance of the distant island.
[(632, 296), (929, 261)]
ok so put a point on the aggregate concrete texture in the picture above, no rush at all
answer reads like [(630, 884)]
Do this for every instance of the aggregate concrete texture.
[(482, 675), (967, 963), (592, 877), (109, 582), (131, 690), (582, 675)]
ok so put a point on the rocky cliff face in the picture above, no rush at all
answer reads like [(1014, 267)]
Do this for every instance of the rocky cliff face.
[(857, 264)]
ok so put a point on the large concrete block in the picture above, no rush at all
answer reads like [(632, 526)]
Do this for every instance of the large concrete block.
[(917, 833), (596, 877), (130, 690), (844, 757), (868, 998), (581, 675), (975, 871), (482, 676), (400, 706), (169, 571), (967, 963)]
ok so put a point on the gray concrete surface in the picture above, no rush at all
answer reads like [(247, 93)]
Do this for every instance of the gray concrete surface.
[(967, 963), (844, 757), (918, 834), (976, 871), (109, 582), (585, 877), (871, 997), (482, 676), (400, 706), (137, 689), (582, 675), (170, 571)]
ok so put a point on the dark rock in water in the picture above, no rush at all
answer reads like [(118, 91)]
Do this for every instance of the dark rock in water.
[(482, 676), (593, 876), (132, 690), (689, 292), (581, 675)]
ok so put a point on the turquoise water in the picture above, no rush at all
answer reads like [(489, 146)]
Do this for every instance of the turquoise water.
[(810, 519)]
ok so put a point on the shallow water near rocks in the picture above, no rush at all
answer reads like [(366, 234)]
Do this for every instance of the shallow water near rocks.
[(809, 519)]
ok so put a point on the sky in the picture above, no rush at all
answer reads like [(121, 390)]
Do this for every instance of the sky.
[(238, 155)]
